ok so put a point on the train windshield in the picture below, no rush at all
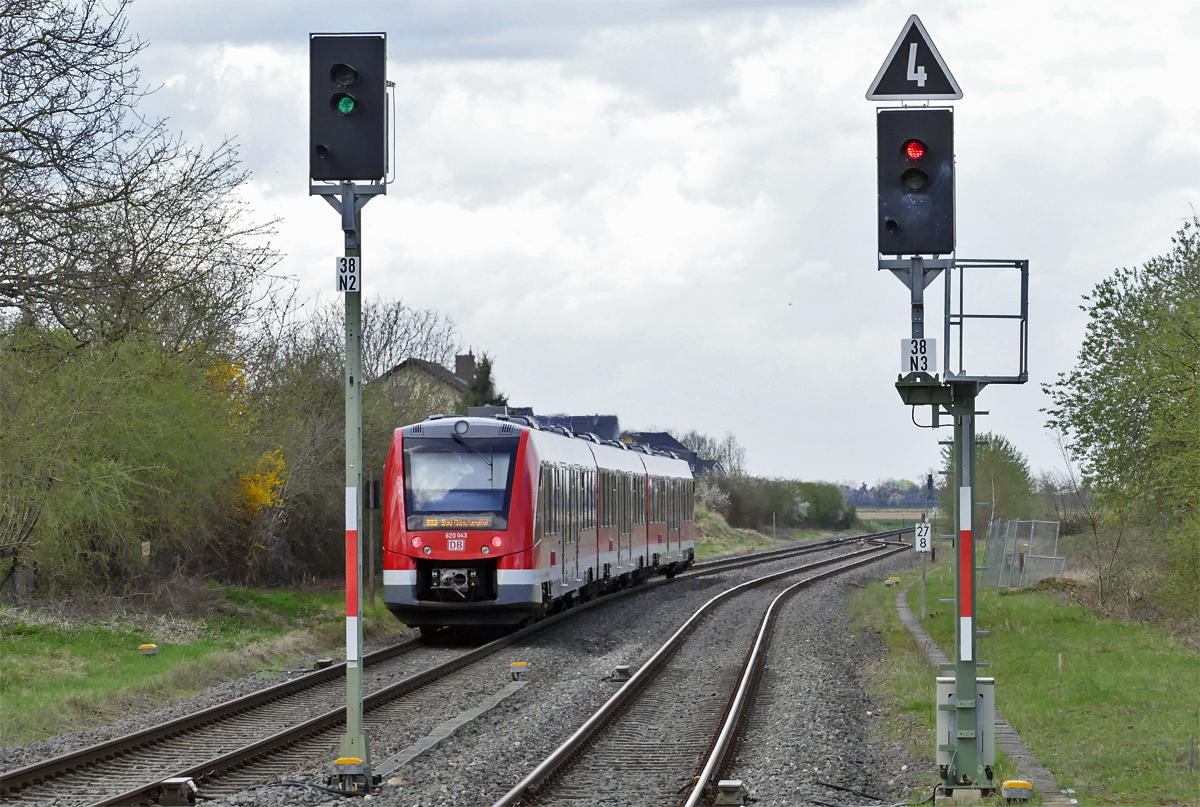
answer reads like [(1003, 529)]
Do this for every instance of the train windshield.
[(458, 482)]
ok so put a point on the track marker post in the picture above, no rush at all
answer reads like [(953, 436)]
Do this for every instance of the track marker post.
[(348, 141), (916, 233)]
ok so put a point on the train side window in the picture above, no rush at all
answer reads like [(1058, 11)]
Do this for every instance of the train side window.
[(614, 504), (605, 504), (610, 480), (576, 502), (589, 499), (573, 504), (603, 491), (558, 500), (543, 499)]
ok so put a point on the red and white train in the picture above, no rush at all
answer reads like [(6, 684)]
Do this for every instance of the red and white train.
[(494, 521)]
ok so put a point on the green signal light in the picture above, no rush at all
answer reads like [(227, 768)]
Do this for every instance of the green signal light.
[(344, 104)]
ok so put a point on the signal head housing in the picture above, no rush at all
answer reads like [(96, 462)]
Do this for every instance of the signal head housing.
[(916, 181), (347, 91)]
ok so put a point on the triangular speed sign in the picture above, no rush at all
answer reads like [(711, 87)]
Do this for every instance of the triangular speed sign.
[(914, 70)]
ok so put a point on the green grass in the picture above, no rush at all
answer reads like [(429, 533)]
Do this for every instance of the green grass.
[(905, 680), (715, 537), (1116, 727), (63, 675)]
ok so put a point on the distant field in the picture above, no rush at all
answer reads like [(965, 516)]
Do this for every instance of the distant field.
[(874, 513)]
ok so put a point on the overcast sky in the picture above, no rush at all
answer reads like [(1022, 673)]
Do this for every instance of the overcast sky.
[(666, 210)]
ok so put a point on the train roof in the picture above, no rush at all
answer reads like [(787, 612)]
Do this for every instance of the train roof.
[(557, 444)]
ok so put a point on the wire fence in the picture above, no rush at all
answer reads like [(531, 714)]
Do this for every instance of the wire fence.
[(1020, 553)]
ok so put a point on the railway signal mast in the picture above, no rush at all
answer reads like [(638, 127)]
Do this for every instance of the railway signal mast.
[(348, 155), (916, 237)]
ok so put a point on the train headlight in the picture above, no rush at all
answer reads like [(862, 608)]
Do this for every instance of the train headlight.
[(427, 550), (484, 549), (461, 427)]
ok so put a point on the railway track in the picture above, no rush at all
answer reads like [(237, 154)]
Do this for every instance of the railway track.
[(623, 743), (218, 746)]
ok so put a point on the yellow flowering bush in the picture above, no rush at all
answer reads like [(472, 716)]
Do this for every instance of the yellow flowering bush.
[(263, 485)]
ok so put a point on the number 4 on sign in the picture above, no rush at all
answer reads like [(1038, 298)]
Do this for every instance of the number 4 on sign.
[(915, 71), (349, 274)]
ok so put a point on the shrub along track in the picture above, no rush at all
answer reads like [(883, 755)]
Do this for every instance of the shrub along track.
[(242, 732)]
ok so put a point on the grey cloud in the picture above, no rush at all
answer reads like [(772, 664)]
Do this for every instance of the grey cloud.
[(1080, 69)]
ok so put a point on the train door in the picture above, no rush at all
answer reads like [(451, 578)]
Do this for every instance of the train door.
[(674, 518), (566, 550), (669, 491), (623, 518)]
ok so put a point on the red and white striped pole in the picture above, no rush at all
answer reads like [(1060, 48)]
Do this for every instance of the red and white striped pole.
[(353, 574), (966, 566), (355, 755), (966, 766)]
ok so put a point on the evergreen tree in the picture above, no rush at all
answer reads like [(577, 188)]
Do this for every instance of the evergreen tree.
[(482, 389)]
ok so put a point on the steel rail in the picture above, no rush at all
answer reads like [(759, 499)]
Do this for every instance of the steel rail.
[(753, 558), (38, 774), (13, 781), (751, 673), (212, 768), (247, 754), (561, 755)]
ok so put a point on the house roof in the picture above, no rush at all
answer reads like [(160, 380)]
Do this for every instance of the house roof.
[(708, 467), (606, 427), (430, 368), (662, 440)]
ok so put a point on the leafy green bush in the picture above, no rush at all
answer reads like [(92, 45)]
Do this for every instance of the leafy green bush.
[(754, 501), (106, 447), (1130, 415)]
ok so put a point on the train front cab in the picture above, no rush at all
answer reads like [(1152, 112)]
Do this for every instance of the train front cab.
[(458, 521)]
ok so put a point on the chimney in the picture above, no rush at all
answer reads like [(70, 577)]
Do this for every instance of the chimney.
[(464, 366)]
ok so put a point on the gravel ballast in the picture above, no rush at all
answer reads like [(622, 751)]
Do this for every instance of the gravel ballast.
[(813, 718), (567, 668)]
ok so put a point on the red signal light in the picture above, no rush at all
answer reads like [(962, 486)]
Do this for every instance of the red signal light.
[(914, 149)]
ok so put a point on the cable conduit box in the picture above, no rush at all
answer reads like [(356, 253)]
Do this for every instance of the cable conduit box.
[(985, 719)]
